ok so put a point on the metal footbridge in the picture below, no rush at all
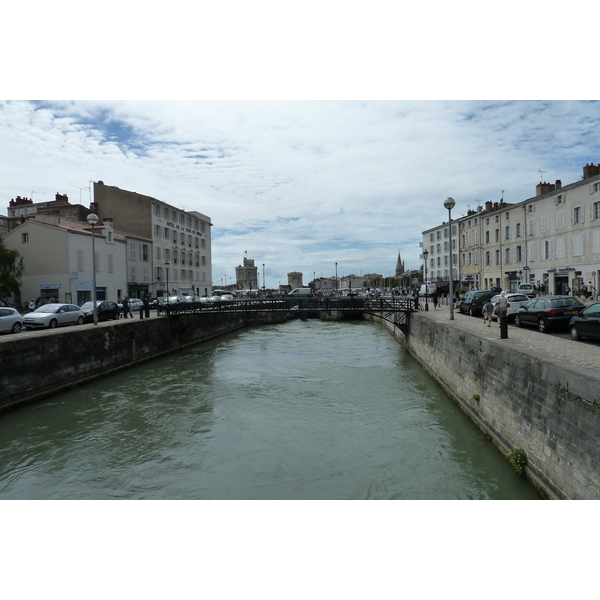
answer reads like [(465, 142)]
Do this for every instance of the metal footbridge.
[(394, 309)]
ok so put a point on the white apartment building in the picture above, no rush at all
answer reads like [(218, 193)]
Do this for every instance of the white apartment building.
[(551, 240), (181, 240), (58, 261), (436, 242)]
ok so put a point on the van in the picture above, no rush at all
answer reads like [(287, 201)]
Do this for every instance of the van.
[(428, 289), (301, 292), (528, 289)]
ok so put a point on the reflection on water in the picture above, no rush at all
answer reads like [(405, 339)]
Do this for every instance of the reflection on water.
[(300, 410)]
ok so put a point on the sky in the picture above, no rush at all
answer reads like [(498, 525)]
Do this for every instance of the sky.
[(300, 185)]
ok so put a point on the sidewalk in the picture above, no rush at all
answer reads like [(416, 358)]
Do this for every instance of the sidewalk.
[(584, 354)]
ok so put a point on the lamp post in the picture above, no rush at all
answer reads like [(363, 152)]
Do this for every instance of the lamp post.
[(425, 255), (449, 204), (92, 219), (167, 263), (264, 277), (336, 285)]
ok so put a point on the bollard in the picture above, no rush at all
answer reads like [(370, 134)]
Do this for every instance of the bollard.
[(503, 327)]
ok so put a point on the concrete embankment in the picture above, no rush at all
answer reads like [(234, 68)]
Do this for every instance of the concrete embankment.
[(37, 364), (519, 395)]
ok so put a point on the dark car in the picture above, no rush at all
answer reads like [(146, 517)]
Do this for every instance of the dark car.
[(548, 312), (586, 323), (473, 302), (106, 310)]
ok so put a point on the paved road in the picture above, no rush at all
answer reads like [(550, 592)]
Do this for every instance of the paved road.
[(557, 344)]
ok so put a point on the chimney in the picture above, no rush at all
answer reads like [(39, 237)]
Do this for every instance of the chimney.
[(62, 198), (558, 184), (488, 205), (544, 188), (590, 170)]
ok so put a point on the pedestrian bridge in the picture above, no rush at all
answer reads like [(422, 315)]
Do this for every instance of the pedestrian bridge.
[(395, 309)]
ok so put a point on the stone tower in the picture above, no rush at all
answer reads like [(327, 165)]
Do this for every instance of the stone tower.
[(295, 279), (246, 276)]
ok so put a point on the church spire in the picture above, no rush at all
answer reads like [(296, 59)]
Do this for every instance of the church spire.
[(399, 266)]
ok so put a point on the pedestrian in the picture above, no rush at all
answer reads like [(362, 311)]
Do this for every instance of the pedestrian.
[(567, 290), (456, 299), (584, 289), (434, 297), (501, 306), (126, 308), (32, 305), (488, 309)]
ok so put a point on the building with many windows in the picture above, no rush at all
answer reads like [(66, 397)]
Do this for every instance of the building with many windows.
[(551, 240), (180, 262)]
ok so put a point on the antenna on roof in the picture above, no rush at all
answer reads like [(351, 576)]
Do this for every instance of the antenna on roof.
[(542, 175)]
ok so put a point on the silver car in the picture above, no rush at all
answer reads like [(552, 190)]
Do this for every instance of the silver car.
[(53, 315), (10, 320), (515, 301)]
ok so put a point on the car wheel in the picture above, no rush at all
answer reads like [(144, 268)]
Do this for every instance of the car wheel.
[(80, 321), (16, 328), (542, 325), (575, 334), (52, 324), (517, 321)]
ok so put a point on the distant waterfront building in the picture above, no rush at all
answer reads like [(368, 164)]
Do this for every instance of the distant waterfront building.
[(246, 275), (181, 240), (20, 209)]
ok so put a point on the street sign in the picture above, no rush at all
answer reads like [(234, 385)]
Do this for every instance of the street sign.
[(593, 273)]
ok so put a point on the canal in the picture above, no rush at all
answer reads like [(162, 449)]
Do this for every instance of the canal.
[(298, 410)]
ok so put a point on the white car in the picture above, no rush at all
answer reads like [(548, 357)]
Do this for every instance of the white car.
[(53, 315), (514, 301), (10, 319)]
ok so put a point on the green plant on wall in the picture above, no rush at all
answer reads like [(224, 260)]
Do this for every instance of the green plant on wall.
[(518, 459), (475, 397)]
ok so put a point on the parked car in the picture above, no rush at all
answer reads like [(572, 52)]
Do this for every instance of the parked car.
[(53, 315), (586, 323), (514, 301), (10, 320), (136, 304), (473, 302), (528, 289), (548, 312), (106, 310), (192, 298)]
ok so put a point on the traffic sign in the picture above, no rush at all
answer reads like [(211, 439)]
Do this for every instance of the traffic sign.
[(593, 273)]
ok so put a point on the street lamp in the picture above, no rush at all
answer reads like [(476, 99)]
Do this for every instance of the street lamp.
[(92, 219), (167, 263), (450, 204), (263, 277), (336, 285), (425, 255)]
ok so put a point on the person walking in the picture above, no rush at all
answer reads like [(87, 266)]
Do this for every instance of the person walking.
[(126, 308), (488, 309), (501, 307), (434, 297)]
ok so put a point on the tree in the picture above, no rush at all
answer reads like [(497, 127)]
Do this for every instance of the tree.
[(11, 271)]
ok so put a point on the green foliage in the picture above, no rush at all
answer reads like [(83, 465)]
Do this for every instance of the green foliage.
[(11, 271), (475, 397), (518, 459)]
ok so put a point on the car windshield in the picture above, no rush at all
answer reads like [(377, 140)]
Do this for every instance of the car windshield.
[(47, 308), (562, 302), (518, 298), (88, 306)]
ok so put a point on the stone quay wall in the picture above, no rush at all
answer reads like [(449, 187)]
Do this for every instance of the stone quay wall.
[(36, 366), (518, 397)]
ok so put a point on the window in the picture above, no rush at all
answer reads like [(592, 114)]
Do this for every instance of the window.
[(133, 273), (577, 215), (132, 250), (497, 257), (597, 187), (507, 232), (545, 224), (507, 255), (518, 230), (530, 208), (596, 242), (80, 260), (560, 247), (431, 236), (531, 251), (530, 226), (487, 237), (547, 250), (577, 245), (157, 230), (175, 256), (559, 219), (596, 209), (109, 236), (25, 238), (145, 275), (144, 252), (519, 254), (158, 252), (488, 258), (497, 235)]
